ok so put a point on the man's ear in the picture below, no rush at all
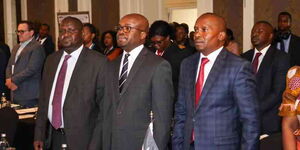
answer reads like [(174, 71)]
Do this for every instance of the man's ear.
[(222, 36), (143, 35)]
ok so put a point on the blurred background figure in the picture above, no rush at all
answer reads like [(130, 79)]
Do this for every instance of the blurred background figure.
[(45, 39), (89, 37), (4, 56), (181, 36), (109, 45), (191, 39), (231, 44)]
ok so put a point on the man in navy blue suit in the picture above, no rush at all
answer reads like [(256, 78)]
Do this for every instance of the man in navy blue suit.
[(217, 104)]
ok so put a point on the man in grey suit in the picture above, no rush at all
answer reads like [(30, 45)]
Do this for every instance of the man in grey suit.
[(71, 94), (23, 72), (137, 82)]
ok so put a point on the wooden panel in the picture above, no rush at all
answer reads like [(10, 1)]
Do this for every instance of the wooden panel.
[(44, 13), (232, 11), (73, 5), (269, 9), (105, 14)]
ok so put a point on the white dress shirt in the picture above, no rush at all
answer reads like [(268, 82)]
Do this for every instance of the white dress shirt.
[(71, 65), (133, 55), (212, 58), (261, 57)]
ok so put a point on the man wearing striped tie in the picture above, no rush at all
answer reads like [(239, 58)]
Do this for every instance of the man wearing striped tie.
[(137, 82)]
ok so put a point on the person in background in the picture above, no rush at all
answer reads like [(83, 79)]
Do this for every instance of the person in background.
[(285, 40), (45, 39), (71, 94), (89, 37), (160, 36), (230, 44), (290, 110), (181, 36), (4, 57), (191, 38), (270, 67), (24, 69), (217, 105), (109, 44)]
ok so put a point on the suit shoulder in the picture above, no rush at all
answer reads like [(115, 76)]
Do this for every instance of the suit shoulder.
[(247, 53)]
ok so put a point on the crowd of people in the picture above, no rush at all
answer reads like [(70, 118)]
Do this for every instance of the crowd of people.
[(97, 92)]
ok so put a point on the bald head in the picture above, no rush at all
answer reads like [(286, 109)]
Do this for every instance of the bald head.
[(210, 33), (132, 31)]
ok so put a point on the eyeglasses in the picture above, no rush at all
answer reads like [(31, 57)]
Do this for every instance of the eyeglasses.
[(126, 29), (21, 31), (69, 31)]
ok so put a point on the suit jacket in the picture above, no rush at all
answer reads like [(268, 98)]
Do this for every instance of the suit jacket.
[(4, 56), (227, 115), (48, 46), (81, 109), (294, 50), (27, 70), (127, 114), (270, 86)]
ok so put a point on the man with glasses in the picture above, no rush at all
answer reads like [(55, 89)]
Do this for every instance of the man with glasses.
[(23, 72), (137, 83), (160, 36)]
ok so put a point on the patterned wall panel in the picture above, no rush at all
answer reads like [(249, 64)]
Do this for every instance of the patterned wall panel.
[(232, 11), (269, 9)]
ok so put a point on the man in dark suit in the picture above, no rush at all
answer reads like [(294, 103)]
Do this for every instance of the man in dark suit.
[(71, 94), (4, 56), (160, 35), (285, 40), (217, 107), (137, 83), (270, 67), (23, 72), (45, 39)]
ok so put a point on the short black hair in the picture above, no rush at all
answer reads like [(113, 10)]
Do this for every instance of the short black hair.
[(114, 38), (266, 23), (285, 14), (45, 24), (29, 24), (91, 27), (229, 34), (161, 28), (184, 26)]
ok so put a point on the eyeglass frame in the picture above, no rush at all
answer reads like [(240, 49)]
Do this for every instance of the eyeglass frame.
[(119, 28), (21, 31)]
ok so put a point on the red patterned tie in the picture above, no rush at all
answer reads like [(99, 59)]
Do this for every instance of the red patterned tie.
[(198, 87), (255, 62), (160, 52), (57, 98)]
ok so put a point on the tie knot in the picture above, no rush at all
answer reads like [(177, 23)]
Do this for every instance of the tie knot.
[(67, 57), (127, 55), (204, 61), (258, 54)]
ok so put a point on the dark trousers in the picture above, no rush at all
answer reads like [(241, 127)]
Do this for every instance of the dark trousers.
[(192, 146), (57, 139)]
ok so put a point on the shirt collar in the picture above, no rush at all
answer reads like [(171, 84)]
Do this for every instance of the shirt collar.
[(26, 42), (212, 56), (263, 51), (135, 52), (75, 54)]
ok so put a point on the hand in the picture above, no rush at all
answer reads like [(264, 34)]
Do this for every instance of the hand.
[(8, 82), (38, 145), (13, 86)]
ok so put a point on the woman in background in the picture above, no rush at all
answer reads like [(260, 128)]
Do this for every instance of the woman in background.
[(109, 44), (230, 44), (290, 110)]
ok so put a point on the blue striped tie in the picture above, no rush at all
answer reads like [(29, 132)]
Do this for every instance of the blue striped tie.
[(124, 72)]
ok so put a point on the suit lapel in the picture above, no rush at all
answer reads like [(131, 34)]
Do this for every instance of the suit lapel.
[(266, 61), (115, 78), (213, 74), (24, 50), (194, 67), (135, 67)]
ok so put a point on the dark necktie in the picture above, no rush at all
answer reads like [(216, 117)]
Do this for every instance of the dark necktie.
[(57, 98), (198, 86), (282, 48), (255, 62), (124, 73)]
